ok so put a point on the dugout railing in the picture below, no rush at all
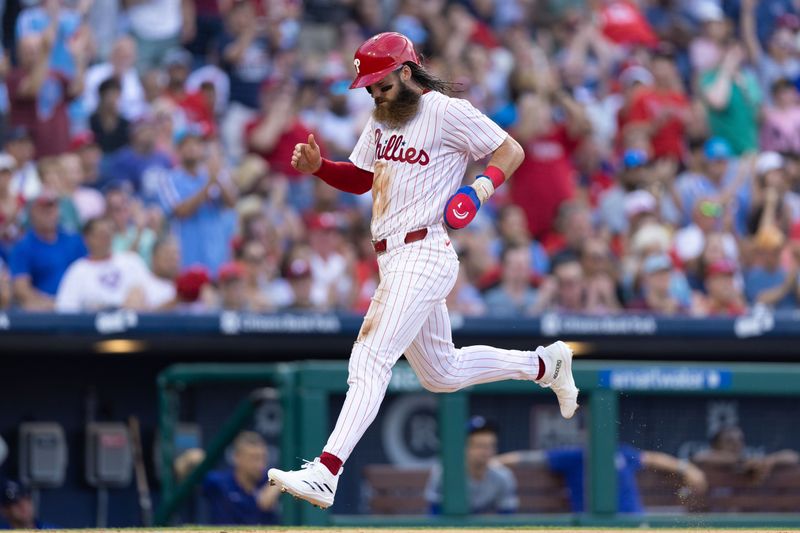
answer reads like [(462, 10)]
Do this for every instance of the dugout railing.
[(307, 387), (272, 382)]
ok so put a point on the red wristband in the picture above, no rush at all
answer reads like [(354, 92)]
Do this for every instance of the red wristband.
[(496, 175)]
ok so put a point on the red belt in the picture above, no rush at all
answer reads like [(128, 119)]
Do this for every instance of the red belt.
[(413, 236)]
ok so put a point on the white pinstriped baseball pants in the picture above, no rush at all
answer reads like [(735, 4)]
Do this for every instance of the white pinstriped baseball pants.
[(408, 315)]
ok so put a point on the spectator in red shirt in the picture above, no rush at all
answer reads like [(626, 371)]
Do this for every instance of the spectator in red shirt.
[(196, 105), (194, 293), (631, 80), (547, 176), (39, 95), (662, 111), (232, 287), (365, 270), (724, 297), (277, 129)]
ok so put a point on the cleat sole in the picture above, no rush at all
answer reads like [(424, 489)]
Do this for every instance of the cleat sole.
[(287, 490)]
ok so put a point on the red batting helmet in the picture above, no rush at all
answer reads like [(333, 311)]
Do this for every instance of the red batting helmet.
[(381, 55)]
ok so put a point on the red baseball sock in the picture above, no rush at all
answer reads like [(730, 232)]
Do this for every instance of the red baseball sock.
[(332, 462), (541, 368)]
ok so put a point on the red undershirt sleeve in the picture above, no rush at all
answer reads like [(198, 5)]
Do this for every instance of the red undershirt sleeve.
[(345, 176)]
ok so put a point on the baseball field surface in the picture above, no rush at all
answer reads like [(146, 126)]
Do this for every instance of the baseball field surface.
[(279, 529)]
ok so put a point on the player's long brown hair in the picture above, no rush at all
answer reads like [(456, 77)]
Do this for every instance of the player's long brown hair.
[(428, 81)]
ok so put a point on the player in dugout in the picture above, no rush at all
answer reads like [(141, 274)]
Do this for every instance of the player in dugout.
[(413, 155), (727, 449), (570, 463), (491, 486), (239, 494), (16, 507)]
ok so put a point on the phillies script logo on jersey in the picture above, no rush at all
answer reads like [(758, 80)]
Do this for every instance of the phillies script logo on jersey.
[(395, 150)]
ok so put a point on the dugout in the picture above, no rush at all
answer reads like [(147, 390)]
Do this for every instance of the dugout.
[(104, 368)]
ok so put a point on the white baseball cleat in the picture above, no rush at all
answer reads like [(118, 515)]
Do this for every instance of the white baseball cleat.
[(558, 376), (313, 483)]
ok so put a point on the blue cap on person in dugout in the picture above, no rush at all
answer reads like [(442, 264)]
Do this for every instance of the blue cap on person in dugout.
[(12, 491), (480, 423)]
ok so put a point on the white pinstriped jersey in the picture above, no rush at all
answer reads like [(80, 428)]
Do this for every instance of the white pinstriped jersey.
[(418, 166), (416, 169)]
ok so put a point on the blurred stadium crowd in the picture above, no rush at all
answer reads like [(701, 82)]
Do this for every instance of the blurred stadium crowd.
[(146, 148)]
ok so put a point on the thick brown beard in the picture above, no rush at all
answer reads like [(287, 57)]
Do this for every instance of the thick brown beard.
[(398, 111)]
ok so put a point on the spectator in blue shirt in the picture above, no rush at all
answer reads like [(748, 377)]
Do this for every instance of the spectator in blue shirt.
[(721, 177), (16, 508), (628, 460), (42, 19), (197, 198), (38, 261), (241, 495), (767, 281), (515, 296), (768, 15), (141, 163)]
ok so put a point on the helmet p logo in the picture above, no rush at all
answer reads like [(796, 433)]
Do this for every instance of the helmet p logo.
[(357, 64)]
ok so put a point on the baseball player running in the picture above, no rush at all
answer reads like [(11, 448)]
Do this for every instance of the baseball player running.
[(413, 153)]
